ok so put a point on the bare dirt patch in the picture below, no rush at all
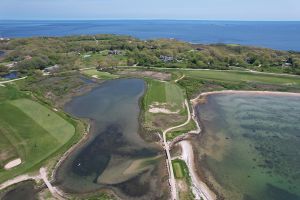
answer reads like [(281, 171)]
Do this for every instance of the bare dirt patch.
[(161, 108), (150, 74)]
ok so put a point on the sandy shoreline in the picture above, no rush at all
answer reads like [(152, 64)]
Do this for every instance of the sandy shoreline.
[(199, 188), (273, 93)]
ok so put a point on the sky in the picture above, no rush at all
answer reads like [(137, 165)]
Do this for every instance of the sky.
[(252, 10)]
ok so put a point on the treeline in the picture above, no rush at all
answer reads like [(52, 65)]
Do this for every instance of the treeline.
[(39, 53)]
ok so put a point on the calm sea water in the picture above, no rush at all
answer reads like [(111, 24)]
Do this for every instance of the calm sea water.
[(250, 148), (277, 35)]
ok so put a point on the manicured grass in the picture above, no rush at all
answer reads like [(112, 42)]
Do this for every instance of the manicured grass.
[(47, 119), (99, 74), (167, 95), (234, 76), (174, 95), (156, 92), (180, 169), (164, 92), (30, 131)]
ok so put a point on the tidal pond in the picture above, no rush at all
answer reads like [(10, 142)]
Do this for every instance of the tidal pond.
[(115, 156), (250, 147), (25, 191)]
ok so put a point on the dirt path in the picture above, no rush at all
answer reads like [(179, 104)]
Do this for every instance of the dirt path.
[(9, 81), (18, 179), (53, 190), (199, 188), (172, 180), (179, 78)]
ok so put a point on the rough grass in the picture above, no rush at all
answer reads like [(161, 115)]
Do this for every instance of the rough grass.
[(182, 130), (30, 131), (99, 74)]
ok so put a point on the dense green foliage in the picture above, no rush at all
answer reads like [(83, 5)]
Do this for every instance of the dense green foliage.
[(110, 50)]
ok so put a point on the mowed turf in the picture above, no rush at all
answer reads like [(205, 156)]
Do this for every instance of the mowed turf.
[(156, 92), (47, 119), (167, 95), (234, 76), (164, 92), (179, 168), (29, 131)]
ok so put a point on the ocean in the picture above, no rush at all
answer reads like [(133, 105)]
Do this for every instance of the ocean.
[(276, 35)]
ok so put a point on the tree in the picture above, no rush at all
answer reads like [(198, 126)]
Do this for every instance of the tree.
[(107, 62)]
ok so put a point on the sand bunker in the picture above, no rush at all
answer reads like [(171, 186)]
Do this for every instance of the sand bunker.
[(161, 108), (13, 163)]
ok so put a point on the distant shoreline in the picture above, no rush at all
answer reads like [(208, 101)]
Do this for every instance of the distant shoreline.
[(246, 33)]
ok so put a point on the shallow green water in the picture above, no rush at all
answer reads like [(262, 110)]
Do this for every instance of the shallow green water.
[(251, 146), (115, 156)]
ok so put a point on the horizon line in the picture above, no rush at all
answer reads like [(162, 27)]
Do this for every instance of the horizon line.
[(155, 19)]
